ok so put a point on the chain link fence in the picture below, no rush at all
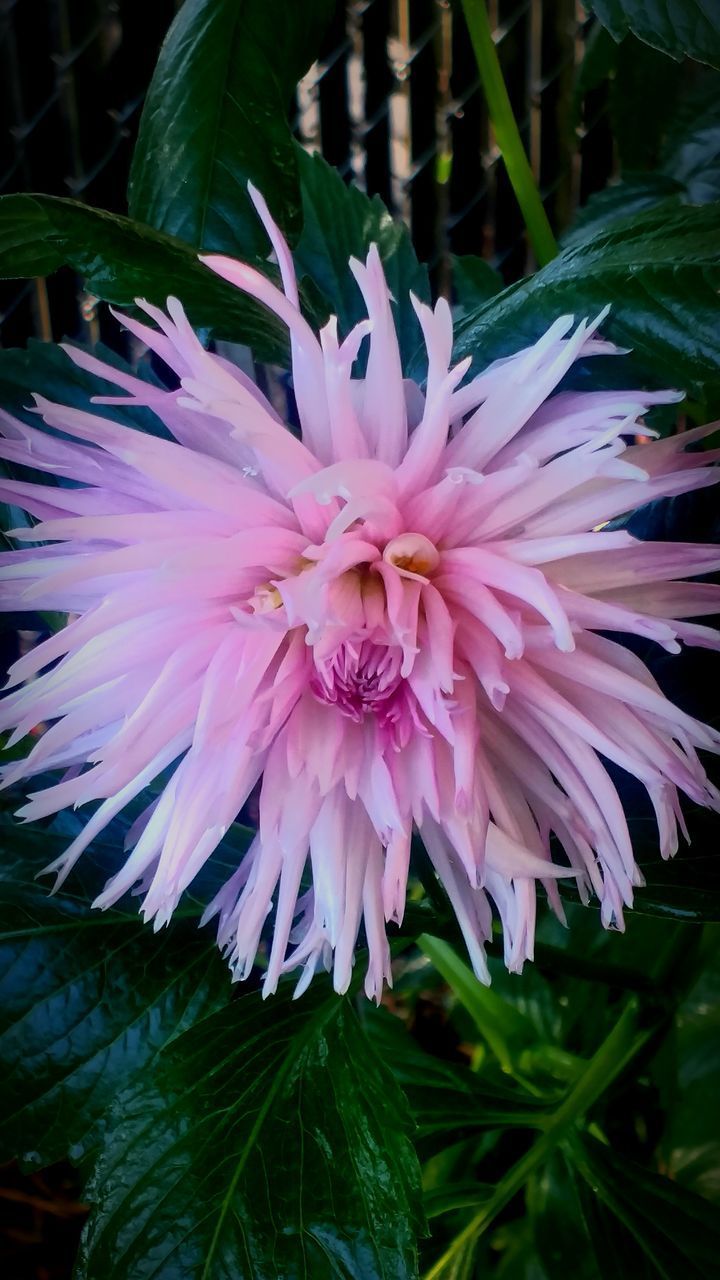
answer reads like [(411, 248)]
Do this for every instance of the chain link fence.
[(393, 101)]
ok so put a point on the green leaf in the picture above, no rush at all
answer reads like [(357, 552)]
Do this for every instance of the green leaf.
[(474, 281), (575, 1233), (634, 194), (45, 367), (612, 1057), (561, 1232), (504, 1028), (122, 260), (340, 222), (270, 1132), (678, 1231), (215, 117), (87, 1001), (661, 272), (455, 1195), (665, 118), (270, 1141), (676, 27), (444, 1097)]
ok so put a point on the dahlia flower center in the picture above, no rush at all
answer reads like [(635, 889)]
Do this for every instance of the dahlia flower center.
[(360, 679)]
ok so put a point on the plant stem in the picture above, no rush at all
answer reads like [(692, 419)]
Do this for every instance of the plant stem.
[(623, 1042), (507, 133)]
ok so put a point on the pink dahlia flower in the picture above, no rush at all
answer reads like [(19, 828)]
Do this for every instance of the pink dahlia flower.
[(395, 621)]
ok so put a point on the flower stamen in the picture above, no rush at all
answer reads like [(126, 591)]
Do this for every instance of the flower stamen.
[(265, 599), (413, 553)]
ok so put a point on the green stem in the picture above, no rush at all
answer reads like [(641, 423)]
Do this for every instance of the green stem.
[(623, 1043), (507, 133)]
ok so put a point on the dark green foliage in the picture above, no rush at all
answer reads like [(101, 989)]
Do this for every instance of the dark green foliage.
[(676, 27), (635, 194), (660, 269), (678, 1232), (562, 1234), (256, 1147), (667, 120), (215, 117), (122, 260), (235, 1121), (87, 999), (45, 367)]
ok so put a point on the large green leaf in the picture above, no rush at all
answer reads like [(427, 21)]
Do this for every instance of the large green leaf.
[(676, 27), (222, 1138), (677, 1231), (660, 271), (87, 1000), (269, 1142), (122, 260), (216, 116), (340, 222)]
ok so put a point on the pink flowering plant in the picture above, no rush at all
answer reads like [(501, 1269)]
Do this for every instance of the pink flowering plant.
[(395, 667)]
